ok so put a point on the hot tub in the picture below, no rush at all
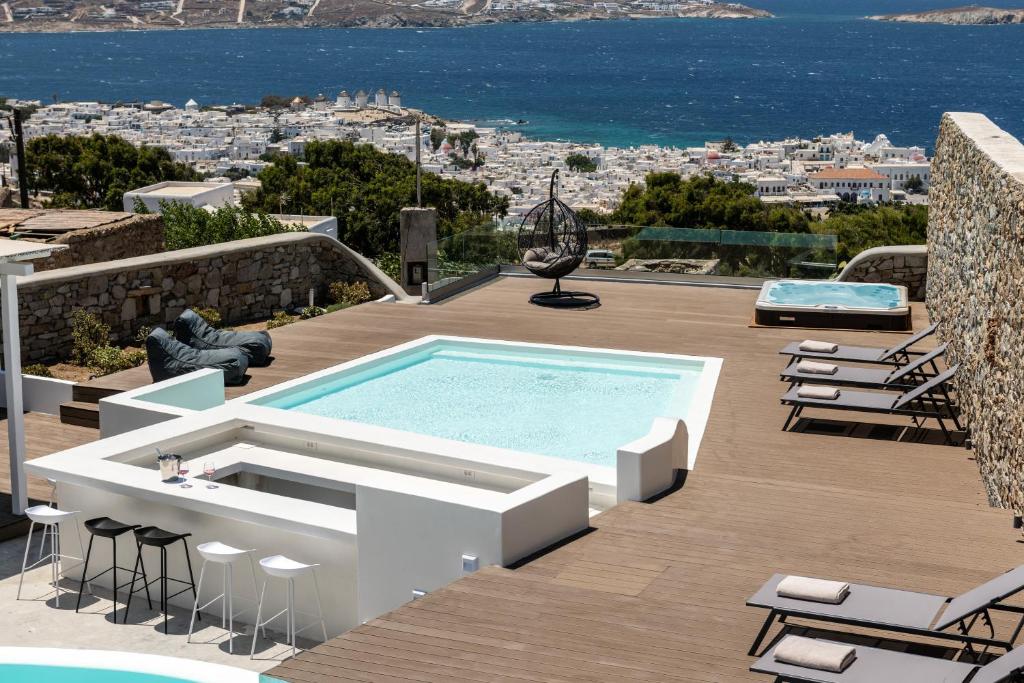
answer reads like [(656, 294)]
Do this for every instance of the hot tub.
[(825, 303)]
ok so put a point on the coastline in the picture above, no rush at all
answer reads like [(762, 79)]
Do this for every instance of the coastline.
[(28, 28)]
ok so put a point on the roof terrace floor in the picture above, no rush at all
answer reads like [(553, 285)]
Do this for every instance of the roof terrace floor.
[(656, 591)]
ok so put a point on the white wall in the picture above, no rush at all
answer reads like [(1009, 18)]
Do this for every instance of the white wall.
[(647, 466), (40, 394), (337, 557), (160, 402)]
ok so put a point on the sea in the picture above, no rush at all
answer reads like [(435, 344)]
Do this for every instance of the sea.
[(818, 67)]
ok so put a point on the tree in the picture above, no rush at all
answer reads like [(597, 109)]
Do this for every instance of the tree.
[(863, 227), (729, 146), (913, 184), (275, 102), (580, 163), (365, 189), (187, 226), (94, 172), (437, 136)]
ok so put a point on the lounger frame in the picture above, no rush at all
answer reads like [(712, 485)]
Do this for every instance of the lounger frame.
[(930, 400)]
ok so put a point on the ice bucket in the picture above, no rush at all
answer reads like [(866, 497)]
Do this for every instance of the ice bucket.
[(168, 465)]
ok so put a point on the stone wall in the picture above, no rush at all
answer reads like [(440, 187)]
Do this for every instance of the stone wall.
[(976, 286), (901, 265), (137, 235), (243, 280)]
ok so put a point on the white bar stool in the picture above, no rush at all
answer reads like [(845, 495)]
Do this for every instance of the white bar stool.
[(226, 556), (279, 566), (50, 518)]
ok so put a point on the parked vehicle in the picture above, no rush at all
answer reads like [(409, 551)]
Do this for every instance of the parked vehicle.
[(599, 258)]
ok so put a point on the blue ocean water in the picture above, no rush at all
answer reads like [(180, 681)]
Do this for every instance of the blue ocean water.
[(819, 67)]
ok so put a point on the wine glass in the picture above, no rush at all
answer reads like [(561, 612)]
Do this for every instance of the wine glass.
[(183, 472), (208, 469)]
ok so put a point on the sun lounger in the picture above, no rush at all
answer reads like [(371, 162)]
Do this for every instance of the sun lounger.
[(902, 378), (891, 609), (930, 399), (875, 665), (894, 355)]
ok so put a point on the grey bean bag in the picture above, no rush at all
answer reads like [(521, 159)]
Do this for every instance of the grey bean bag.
[(169, 358), (191, 329)]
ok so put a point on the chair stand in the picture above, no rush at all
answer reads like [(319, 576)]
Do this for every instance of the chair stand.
[(559, 298)]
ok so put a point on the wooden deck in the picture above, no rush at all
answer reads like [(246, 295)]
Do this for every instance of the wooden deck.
[(656, 592)]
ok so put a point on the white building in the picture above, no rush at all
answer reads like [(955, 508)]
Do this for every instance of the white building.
[(853, 184), (194, 194)]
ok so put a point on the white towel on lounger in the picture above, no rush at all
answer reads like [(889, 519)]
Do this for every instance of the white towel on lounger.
[(818, 346), (815, 590), (822, 393), (815, 654), (813, 368)]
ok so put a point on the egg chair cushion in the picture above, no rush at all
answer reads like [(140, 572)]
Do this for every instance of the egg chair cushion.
[(191, 329), (168, 357)]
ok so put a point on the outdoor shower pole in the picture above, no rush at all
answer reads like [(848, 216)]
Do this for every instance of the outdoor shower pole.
[(419, 144)]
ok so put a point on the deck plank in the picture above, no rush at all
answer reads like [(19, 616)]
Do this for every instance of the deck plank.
[(656, 592)]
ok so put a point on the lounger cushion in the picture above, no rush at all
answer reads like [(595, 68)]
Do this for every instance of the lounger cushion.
[(168, 357), (191, 329), (815, 654), (869, 605), (815, 590), (818, 346), (818, 392), (872, 665), (814, 368)]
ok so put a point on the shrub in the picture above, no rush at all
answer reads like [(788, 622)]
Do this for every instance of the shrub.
[(141, 334), (280, 319), (88, 333), (210, 315), (107, 359), (349, 293), (312, 312), (36, 370), (391, 264)]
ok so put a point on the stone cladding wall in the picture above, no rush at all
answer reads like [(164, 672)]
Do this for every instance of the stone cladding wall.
[(976, 289)]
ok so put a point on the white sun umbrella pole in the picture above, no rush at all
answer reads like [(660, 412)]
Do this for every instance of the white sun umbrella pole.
[(12, 253)]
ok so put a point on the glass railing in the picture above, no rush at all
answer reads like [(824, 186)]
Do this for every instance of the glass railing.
[(736, 253), (470, 253)]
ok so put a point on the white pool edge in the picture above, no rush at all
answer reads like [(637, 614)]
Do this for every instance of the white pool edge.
[(763, 304), (119, 660)]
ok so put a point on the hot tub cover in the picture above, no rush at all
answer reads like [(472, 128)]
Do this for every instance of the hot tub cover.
[(169, 358), (191, 329)]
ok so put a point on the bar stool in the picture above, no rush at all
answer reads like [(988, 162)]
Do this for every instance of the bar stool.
[(156, 537), (104, 527), (279, 566), (226, 556), (50, 518), (48, 529)]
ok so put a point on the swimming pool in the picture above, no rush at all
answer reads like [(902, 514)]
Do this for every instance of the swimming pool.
[(53, 665), (826, 303), (571, 403)]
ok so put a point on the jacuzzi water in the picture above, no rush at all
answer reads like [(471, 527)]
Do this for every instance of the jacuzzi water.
[(846, 294), (578, 406)]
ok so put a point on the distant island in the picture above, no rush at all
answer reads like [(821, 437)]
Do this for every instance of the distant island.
[(120, 15), (972, 15)]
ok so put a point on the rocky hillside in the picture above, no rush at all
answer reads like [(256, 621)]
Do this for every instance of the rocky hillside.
[(967, 16), (111, 15)]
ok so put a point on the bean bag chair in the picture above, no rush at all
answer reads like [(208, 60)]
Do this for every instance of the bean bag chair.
[(191, 329), (169, 358)]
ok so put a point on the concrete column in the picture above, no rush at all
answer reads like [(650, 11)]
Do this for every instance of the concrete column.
[(417, 229), (12, 381)]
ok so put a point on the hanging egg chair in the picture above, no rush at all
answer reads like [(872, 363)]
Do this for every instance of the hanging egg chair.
[(552, 244)]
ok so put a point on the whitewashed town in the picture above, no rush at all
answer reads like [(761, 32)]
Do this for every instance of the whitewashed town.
[(232, 143)]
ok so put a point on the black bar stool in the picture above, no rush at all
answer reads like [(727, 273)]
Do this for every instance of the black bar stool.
[(158, 538), (104, 527)]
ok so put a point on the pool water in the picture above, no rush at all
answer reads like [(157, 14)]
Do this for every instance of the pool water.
[(847, 294), (42, 673), (578, 406)]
